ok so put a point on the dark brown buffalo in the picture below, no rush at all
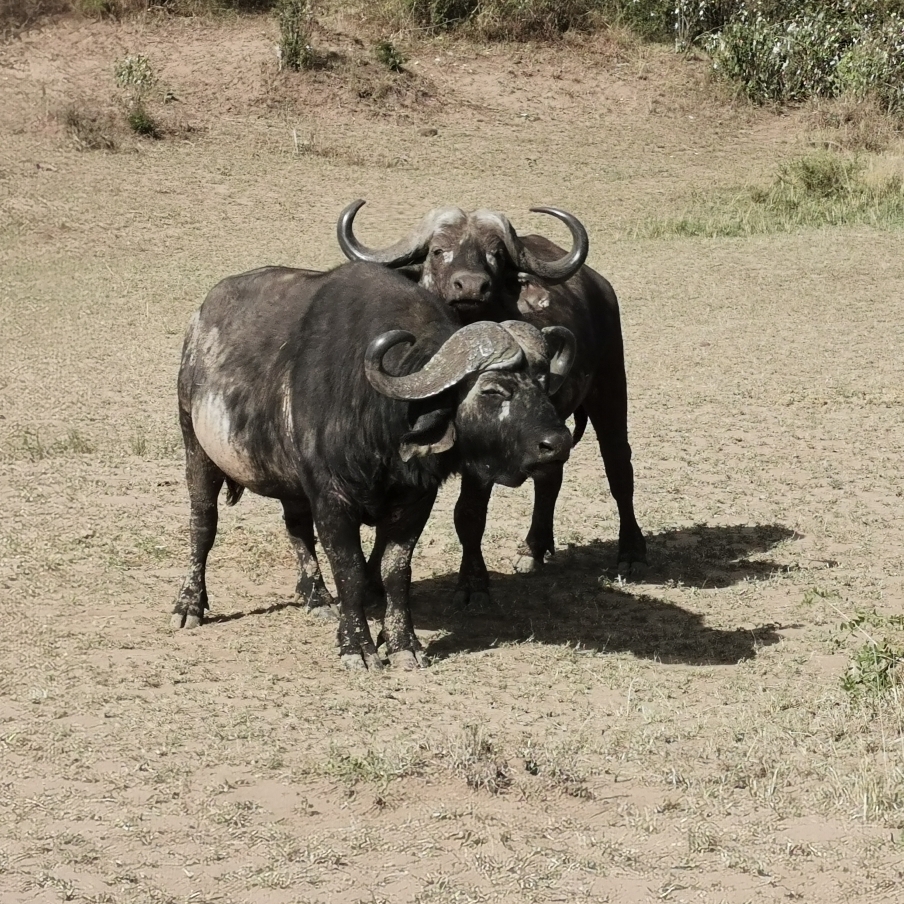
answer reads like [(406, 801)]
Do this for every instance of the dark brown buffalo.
[(350, 396), (480, 266)]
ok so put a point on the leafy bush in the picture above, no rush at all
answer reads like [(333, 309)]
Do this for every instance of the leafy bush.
[(389, 55), (136, 76), (789, 51), (296, 20)]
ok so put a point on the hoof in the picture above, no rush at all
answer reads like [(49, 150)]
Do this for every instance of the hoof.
[(635, 571), (352, 662), (356, 662), (475, 599), (480, 599), (181, 620), (526, 564), (323, 613), (406, 660), (373, 662)]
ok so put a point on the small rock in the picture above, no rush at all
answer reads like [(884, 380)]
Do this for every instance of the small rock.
[(429, 132)]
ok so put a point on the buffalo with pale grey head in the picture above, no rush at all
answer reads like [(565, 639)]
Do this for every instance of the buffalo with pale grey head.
[(479, 265), (350, 396)]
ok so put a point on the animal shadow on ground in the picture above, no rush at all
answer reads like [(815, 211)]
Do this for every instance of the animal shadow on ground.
[(573, 601)]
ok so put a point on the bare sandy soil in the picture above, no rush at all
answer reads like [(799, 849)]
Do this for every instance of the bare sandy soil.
[(685, 738)]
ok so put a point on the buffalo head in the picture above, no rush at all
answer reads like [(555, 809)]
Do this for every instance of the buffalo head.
[(498, 416), (469, 259)]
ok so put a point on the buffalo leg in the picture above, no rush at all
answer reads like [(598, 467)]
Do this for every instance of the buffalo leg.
[(539, 542), (400, 533), (310, 588), (204, 481), (470, 523), (375, 591), (340, 535), (608, 413)]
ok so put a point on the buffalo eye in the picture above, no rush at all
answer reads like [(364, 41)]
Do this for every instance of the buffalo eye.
[(494, 389), (437, 251)]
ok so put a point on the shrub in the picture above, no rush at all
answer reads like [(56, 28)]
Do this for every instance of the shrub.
[(507, 20), (296, 20), (436, 15), (140, 121), (135, 75), (389, 55), (784, 51)]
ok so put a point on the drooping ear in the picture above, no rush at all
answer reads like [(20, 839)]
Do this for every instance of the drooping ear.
[(533, 296), (431, 434)]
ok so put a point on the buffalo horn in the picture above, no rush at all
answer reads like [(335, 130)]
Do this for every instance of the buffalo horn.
[(473, 348), (566, 267), (554, 344), (403, 252)]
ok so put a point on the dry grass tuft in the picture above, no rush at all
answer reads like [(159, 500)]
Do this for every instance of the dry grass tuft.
[(472, 754), (824, 188), (851, 124), (90, 129)]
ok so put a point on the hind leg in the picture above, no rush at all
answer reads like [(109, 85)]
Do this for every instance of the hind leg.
[(310, 588), (539, 543), (204, 481), (608, 411)]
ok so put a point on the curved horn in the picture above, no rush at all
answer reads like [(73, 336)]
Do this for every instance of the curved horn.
[(561, 362), (476, 347), (401, 253), (532, 342), (566, 267)]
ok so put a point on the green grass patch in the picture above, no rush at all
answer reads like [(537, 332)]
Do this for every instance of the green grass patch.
[(818, 190), (877, 663)]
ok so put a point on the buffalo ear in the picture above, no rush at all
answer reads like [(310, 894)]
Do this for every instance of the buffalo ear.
[(431, 434)]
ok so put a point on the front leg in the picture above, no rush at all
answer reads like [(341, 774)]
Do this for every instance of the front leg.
[(470, 523), (400, 533), (540, 544), (340, 535)]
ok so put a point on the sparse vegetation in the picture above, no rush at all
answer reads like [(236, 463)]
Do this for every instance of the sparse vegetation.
[(135, 75), (473, 755), (729, 728), (877, 663), (35, 448), (90, 130), (296, 22), (820, 189), (389, 55)]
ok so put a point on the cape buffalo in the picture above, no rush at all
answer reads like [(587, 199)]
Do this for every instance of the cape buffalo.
[(484, 270), (350, 396)]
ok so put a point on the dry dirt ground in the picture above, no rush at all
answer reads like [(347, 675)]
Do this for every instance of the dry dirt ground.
[(684, 738)]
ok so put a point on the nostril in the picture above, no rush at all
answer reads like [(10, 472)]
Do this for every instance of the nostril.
[(553, 447), (485, 287), (458, 284)]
